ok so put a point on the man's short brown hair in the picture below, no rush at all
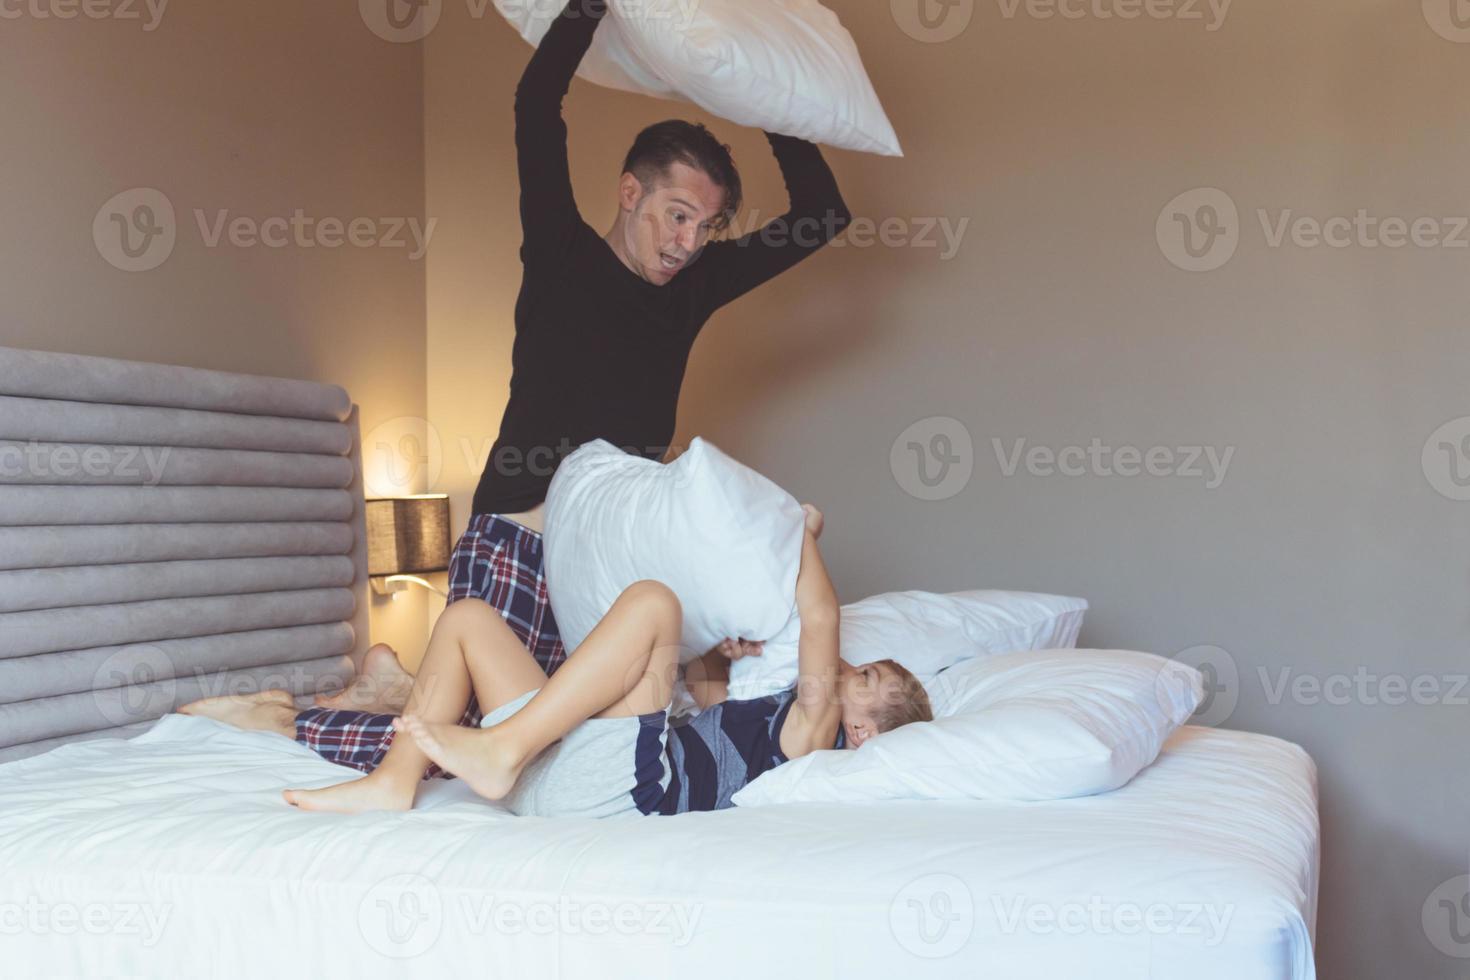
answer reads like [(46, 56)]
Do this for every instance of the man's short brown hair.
[(663, 144)]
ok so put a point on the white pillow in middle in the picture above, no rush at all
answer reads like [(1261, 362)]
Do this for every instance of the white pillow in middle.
[(722, 536)]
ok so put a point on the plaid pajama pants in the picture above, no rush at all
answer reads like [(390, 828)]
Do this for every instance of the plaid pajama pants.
[(496, 560)]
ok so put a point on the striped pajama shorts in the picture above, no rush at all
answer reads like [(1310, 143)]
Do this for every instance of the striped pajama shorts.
[(496, 560)]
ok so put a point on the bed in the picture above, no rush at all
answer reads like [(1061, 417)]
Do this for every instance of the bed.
[(179, 844), (135, 842)]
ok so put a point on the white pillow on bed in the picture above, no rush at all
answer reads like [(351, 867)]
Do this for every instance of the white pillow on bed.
[(787, 66), (722, 536), (925, 632), (928, 632), (1025, 726)]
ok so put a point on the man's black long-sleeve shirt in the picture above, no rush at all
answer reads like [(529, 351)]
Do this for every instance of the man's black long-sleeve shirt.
[(599, 351)]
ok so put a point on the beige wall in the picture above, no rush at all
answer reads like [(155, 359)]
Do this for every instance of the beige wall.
[(260, 110), (1325, 552)]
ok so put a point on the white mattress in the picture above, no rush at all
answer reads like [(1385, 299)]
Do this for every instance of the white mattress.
[(173, 856)]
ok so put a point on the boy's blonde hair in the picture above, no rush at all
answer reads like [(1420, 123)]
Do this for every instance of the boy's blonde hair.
[(910, 705)]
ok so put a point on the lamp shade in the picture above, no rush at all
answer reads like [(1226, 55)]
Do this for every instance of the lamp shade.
[(407, 535)]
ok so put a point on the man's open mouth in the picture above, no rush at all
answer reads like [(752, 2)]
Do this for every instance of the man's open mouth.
[(669, 262)]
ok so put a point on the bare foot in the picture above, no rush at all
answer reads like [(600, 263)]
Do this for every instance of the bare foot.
[(478, 756), (814, 520), (381, 687), (265, 711), (357, 796)]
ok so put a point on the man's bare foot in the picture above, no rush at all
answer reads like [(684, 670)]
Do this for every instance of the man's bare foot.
[(265, 711), (357, 796), (480, 757), (814, 520), (381, 687)]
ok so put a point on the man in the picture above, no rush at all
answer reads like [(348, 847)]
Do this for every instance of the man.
[(604, 326)]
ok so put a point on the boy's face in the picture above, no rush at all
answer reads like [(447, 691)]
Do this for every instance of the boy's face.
[(862, 690), (670, 223)]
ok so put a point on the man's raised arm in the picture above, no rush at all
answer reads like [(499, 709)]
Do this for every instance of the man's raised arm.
[(817, 214), (548, 210)]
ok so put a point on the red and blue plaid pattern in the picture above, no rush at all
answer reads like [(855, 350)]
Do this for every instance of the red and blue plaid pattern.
[(496, 560)]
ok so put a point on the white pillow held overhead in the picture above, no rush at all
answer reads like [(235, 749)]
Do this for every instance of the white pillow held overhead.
[(786, 66)]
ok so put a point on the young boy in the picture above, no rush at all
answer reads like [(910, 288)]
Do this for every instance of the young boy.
[(593, 740)]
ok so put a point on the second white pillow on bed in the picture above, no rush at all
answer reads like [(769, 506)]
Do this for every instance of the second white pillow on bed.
[(1043, 725), (926, 632)]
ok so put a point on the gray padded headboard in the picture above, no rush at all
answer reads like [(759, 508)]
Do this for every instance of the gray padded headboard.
[(166, 534)]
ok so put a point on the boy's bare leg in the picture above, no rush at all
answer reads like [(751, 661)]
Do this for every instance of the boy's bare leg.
[(266, 711), (472, 647), (625, 667), (381, 687)]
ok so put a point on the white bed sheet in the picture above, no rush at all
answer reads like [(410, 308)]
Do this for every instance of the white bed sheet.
[(172, 855)]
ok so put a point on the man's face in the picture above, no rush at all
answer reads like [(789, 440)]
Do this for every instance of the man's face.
[(670, 223)]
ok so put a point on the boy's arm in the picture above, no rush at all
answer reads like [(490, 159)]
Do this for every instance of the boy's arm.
[(548, 210), (708, 678), (819, 650)]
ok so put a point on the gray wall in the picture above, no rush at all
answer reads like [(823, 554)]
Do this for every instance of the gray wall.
[(255, 109), (1326, 551)]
